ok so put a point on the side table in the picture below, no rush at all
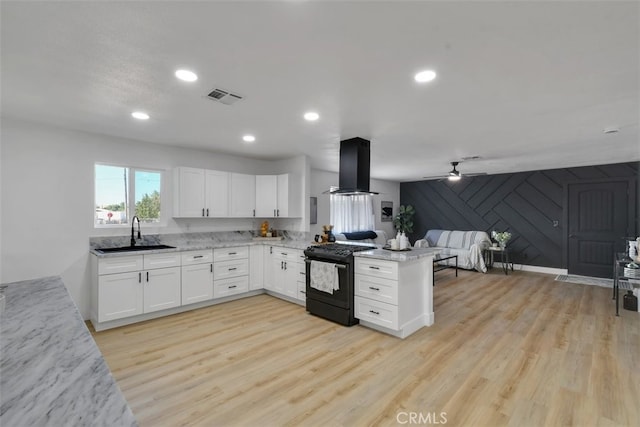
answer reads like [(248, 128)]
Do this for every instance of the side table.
[(492, 251)]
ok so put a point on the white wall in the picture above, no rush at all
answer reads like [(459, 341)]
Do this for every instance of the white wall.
[(321, 181), (47, 189)]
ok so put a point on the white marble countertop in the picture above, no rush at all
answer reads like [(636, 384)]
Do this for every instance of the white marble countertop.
[(51, 370), (200, 245), (399, 256)]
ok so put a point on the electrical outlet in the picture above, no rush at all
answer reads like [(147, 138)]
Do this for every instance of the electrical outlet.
[(556, 223)]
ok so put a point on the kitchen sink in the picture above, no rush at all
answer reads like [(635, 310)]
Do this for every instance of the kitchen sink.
[(133, 248)]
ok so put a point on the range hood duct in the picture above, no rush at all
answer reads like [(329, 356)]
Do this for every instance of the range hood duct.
[(355, 160)]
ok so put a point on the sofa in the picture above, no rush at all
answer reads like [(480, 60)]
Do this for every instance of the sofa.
[(376, 237), (468, 245)]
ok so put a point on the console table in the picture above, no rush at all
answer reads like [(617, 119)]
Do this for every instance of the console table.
[(620, 260)]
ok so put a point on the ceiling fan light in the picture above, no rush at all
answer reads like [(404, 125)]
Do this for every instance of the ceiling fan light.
[(454, 177)]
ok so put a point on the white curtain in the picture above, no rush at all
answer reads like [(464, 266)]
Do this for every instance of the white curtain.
[(352, 213)]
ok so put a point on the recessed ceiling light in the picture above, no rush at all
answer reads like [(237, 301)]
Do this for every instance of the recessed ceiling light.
[(186, 75), (425, 76), (140, 115), (311, 116), (248, 138)]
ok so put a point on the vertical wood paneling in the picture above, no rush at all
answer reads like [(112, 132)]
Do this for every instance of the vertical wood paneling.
[(525, 203)]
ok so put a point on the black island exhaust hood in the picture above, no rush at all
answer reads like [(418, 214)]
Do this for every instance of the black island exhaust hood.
[(354, 174)]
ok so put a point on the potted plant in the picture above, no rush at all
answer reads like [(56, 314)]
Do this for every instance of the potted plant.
[(501, 237), (403, 221)]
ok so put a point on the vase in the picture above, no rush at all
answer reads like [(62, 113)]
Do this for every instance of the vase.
[(502, 245)]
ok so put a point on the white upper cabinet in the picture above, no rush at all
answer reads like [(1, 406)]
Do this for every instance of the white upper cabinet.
[(278, 196), (266, 195), (243, 195), (188, 192), (200, 193), (216, 193)]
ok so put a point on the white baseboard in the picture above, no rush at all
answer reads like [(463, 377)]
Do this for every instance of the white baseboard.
[(535, 268)]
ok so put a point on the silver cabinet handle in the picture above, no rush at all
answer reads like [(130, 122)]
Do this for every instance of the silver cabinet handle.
[(285, 265), (207, 211), (233, 268), (374, 289), (212, 268), (374, 312), (139, 277), (233, 253), (281, 265), (254, 212), (374, 267), (147, 276), (284, 253), (202, 211), (232, 286), (278, 211), (198, 256)]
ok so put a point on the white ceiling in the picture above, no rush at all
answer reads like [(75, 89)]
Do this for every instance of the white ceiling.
[(525, 85)]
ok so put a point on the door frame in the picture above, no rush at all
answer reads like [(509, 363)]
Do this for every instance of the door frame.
[(631, 197)]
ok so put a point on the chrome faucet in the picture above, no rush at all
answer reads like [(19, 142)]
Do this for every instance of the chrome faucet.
[(133, 222)]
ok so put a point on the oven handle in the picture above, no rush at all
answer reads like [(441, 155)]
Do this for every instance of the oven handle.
[(343, 267)]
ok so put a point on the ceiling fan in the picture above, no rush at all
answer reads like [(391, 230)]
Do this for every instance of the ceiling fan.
[(454, 174)]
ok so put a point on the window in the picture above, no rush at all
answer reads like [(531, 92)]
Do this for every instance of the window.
[(352, 213), (121, 193)]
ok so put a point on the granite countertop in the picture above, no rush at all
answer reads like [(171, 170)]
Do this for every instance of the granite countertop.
[(201, 245), (51, 370), (399, 256)]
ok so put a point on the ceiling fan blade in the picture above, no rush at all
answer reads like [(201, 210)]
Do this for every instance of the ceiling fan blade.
[(435, 177), (474, 174)]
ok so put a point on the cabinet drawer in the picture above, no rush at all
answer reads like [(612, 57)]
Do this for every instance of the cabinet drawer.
[(119, 264), (153, 261), (226, 287), (197, 257), (286, 254), (227, 269), (301, 271), (376, 312), (377, 268), (377, 288), (228, 254)]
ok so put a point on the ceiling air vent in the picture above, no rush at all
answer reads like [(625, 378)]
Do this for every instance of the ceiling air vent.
[(224, 96)]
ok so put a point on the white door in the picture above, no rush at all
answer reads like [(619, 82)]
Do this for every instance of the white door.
[(161, 289), (243, 195), (190, 193), (217, 193), (278, 275), (119, 295), (266, 196), (291, 273), (197, 283)]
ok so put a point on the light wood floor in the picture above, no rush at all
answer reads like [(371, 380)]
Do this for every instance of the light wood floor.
[(521, 350)]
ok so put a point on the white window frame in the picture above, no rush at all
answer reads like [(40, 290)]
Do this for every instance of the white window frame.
[(131, 196)]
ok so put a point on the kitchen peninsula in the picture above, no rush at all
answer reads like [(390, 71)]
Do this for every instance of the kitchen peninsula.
[(394, 290)]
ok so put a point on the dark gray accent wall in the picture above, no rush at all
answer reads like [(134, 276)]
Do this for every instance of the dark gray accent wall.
[(524, 203)]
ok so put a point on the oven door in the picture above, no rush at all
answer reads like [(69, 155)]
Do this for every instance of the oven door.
[(339, 298)]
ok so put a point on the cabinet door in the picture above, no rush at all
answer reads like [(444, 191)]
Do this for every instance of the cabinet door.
[(243, 195), (256, 267), (189, 197), (197, 283), (268, 260), (161, 289), (266, 196), (119, 295), (278, 275), (283, 195), (217, 193), (291, 274)]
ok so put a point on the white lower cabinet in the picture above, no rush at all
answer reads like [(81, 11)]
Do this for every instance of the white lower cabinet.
[(162, 289), (129, 293), (230, 271), (287, 270), (394, 297), (119, 295), (256, 267)]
